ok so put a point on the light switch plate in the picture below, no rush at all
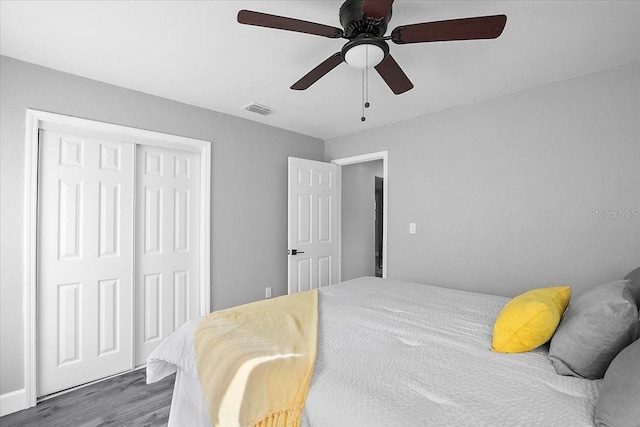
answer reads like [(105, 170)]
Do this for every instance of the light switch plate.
[(412, 228)]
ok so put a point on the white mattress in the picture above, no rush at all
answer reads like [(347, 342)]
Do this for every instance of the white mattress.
[(394, 353)]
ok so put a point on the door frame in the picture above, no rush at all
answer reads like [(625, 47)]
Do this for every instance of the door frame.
[(380, 155), (37, 120)]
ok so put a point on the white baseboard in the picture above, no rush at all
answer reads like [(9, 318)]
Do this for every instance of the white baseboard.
[(12, 402)]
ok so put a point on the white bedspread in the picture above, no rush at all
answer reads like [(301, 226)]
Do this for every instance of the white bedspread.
[(176, 351), (394, 353)]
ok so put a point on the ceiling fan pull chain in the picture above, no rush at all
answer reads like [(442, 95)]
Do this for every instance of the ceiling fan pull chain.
[(366, 75), (365, 85), (363, 118)]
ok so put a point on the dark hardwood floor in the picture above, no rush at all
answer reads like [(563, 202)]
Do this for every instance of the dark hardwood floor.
[(125, 400)]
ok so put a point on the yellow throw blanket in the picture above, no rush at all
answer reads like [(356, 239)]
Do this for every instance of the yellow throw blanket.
[(255, 361)]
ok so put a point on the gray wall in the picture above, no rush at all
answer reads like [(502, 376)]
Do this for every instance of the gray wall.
[(358, 223), (506, 193), (249, 186)]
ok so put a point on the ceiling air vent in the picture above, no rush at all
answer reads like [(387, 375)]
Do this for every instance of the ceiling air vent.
[(263, 110)]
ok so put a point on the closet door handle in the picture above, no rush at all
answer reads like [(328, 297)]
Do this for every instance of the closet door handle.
[(294, 252)]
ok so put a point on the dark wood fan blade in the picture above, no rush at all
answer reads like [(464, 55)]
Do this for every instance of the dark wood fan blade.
[(481, 27), (260, 19), (391, 72), (376, 9), (314, 75)]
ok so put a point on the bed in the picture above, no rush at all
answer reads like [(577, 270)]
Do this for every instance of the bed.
[(396, 353)]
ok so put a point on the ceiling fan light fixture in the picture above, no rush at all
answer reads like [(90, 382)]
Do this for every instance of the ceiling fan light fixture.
[(365, 52), (364, 56)]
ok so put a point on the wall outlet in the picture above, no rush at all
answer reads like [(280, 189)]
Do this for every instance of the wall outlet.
[(267, 292)]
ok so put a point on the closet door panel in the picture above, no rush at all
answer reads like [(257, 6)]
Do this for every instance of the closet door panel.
[(85, 260), (167, 244)]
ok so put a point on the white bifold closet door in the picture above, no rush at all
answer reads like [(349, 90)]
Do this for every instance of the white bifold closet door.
[(167, 244), (118, 255), (85, 260)]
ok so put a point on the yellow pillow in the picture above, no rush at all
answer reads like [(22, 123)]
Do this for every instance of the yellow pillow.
[(530, 319)]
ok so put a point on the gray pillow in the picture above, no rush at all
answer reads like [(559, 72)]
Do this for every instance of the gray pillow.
[(594, 330), (619, 401), (634, 276)]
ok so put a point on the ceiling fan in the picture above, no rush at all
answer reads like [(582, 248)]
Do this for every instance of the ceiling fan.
[(364, 24)]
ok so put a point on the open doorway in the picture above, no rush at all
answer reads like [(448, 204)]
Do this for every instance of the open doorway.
[(361, 208), (381, 156), (306, 264)]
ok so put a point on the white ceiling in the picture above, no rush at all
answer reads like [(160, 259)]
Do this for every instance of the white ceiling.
[(195, 52)]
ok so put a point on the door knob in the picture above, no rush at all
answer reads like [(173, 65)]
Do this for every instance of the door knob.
[(294, 252)]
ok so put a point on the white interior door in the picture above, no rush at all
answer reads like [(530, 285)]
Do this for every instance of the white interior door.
[(313, 231), (167, 244), (85, 260)]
